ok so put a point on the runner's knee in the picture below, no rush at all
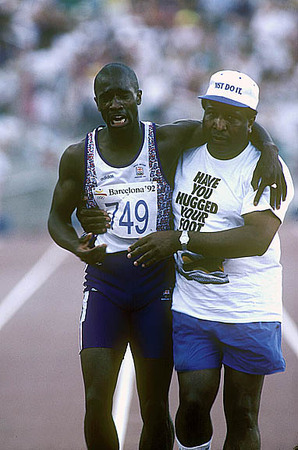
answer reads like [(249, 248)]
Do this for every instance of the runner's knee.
[(98, 400), (155, 409)]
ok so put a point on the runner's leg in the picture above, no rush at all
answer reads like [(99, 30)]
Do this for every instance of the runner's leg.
[(100, 368), (153, 382), (152, 349)]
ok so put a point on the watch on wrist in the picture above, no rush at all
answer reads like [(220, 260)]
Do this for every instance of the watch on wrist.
[(184, 239)]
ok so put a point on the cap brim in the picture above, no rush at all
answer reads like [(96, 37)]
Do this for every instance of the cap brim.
[(227, 101)]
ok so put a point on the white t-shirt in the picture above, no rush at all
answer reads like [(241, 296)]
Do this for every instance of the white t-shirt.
[(213, 195)]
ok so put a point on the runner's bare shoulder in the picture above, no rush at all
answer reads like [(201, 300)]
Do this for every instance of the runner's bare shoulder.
[(73, 160)]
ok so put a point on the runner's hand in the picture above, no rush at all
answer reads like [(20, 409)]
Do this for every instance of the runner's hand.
[(268, 172), (88, 253)]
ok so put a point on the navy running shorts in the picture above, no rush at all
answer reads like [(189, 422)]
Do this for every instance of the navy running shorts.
[(253, 348), (127, 304)]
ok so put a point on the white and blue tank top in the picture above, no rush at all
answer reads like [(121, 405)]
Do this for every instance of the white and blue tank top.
[(137, 196)]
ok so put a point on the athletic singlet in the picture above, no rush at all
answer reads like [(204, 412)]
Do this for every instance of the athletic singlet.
[(137, 196)]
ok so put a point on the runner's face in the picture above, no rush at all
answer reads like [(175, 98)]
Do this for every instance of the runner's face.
[(227, 129), (118, 100)]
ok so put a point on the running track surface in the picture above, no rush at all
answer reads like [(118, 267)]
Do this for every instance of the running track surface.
[(41, 396)]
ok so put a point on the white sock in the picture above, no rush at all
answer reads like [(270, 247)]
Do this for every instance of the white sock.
[(206, 446)]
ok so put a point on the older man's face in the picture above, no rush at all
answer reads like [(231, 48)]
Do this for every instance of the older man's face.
[(227, 129)]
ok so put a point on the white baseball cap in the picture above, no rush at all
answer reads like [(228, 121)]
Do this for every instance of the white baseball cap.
[(233, 88)]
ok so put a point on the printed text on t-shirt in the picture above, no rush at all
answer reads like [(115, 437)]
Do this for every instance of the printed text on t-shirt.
[(196, 207)]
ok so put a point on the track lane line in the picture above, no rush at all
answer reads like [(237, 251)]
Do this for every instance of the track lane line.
[(290, 332), (123, 396), (40, 272), (47, 264)]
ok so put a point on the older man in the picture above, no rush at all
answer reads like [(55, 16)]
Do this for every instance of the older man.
[(227, 302)]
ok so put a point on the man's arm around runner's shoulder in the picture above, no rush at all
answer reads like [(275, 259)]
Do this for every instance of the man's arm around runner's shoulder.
[(173, 139)]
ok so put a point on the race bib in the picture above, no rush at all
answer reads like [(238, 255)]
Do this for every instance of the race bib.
[(131, 206)]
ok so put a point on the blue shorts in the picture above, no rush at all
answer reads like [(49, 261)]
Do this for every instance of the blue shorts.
[(254, 348), (127, 304)]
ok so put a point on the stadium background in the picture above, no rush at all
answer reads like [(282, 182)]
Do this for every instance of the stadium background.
[(50, 51)]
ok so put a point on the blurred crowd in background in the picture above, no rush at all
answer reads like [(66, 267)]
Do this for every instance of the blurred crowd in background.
[(50, 51)]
